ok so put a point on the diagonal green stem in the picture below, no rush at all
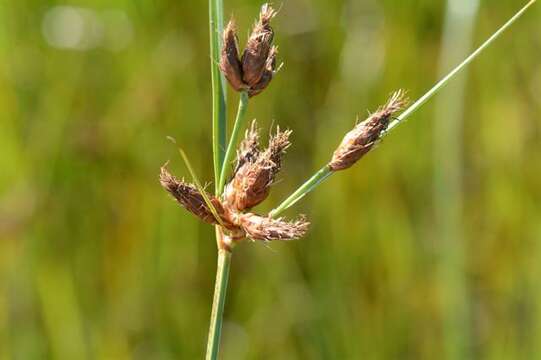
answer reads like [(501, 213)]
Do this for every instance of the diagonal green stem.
[(406, 114), (218, 88), (324, 173), (222, 275), (240, 123), (305, 188)]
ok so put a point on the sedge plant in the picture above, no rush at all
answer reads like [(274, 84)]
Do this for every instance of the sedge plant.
[(238, 189)]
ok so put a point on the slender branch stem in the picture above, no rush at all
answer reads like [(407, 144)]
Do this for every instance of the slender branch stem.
[(324, 173), (304, 189), (240, 123), (406, 114), (222, 276), (218, 88)]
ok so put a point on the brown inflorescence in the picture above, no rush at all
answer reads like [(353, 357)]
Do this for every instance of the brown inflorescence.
[(249, 147), (268, 229), (254, 173), (191, 199), (359, 141), (251, 181), (254, 70), (230, 64), (267, 74)]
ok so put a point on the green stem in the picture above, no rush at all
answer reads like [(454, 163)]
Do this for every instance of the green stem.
[(218, 88), (215, 330), (325, 172), (240, 123), (218, 149), (305, 188), (400, 119)]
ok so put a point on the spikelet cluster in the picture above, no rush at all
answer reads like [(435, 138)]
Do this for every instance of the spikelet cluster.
[(256, 167), (253, 71), (359, 141), (255, 172)]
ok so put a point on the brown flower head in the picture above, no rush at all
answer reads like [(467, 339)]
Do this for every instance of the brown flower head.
[(363, 137), (268, 73), (251, 181), (191, 199), (255, 69), (249, 147), (268, 229), (258, 47), (230, 64)]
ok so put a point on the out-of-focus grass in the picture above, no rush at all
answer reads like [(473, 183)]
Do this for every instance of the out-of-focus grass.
[(97, 262), (449, 239)]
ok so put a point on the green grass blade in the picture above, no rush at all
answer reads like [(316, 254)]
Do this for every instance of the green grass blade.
[(450, 241), (199, 187), (219, 126)]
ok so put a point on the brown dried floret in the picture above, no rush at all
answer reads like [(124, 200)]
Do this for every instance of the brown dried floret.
[(230, 64), (251, 182), (268, 229), (255, 69), (363, 137), (249, 147), (278, 144), (258, 47), (191, 199), (268, 73)]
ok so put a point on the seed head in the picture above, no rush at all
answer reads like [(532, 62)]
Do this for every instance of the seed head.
[(268, 73), (230, 64), (267, 229), (191, 199), (249, 147), (252, 180), (254, 58), (255, 69), (359, 141)]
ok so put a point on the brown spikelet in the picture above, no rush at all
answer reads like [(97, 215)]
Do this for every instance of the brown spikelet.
[(251, 182), (191, 199), (363, 137), (268, 73), (249, 147), (267, 229), (254, 58), (266, 14), (254, 71), (230, 64), (278, 144)]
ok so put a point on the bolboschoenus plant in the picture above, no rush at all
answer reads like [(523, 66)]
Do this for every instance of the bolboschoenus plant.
[(248, 182)]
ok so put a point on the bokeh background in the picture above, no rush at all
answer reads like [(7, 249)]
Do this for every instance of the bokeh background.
[(429, 248)]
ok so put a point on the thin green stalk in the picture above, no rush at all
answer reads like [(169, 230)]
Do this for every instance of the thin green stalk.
[(240, 123), (222, 275), (218, 88), (200, 187), (308, 186), (325, 173), (400, 119), (216, 11)]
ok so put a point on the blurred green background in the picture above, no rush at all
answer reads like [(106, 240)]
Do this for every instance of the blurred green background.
[(429, 248)]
